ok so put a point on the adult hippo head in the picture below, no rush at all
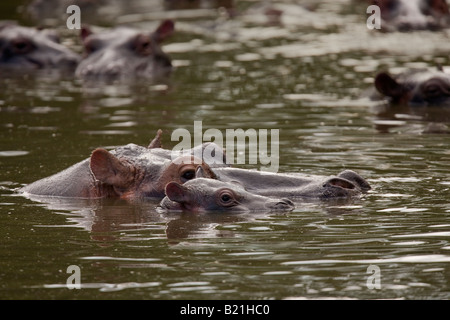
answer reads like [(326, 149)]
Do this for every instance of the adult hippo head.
[(415, 87), (210, 195), (24, 49), (127, 172), (125, 53), (408, 15)]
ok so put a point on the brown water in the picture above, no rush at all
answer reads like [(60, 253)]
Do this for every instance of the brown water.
[(304, 77)]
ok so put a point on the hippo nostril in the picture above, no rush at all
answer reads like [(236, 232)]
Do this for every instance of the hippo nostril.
[(283, 204), (355, 179), (287, 201), (340, 182)]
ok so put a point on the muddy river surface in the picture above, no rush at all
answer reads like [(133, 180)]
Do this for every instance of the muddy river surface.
[(306, 74)]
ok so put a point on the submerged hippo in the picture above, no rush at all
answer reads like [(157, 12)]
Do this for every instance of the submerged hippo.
[(419, 87), (125, 53), (293, 185), (128, 172), (25, 49), (209, 195), (408, 15)]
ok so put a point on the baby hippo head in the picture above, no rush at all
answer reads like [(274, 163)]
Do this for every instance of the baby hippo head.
[(125, 53), (210, 195)]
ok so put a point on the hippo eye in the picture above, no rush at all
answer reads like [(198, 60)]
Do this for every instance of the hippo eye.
[(433, 90), (226, 198), (22, 46), (143, 45), (188, 175)]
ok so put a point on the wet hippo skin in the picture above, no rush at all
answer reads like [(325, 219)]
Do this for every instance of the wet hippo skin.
[(125, 54)]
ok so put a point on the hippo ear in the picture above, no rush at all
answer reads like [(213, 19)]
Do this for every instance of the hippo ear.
[(439, 6), (204, 171), (177, 192), (108, 169), (388, 86), (85, 32), (200, 172), (156, 142), (164, 30)]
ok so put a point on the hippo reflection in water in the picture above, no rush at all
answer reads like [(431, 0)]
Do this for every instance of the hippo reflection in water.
[(209, 195), (25, 49), (419, 87), (408, 15), (128, 172), (124, 53)]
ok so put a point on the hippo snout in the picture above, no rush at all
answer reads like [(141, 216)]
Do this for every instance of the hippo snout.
[(348, 183), (356, 179), (283, 204)]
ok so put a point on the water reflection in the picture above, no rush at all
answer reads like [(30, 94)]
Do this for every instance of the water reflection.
[(417, 120), (109, 220)]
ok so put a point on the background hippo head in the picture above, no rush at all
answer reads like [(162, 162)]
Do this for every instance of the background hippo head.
[(407, 15), (416, 87), (25, 49), (209, 195), (125, 53)]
